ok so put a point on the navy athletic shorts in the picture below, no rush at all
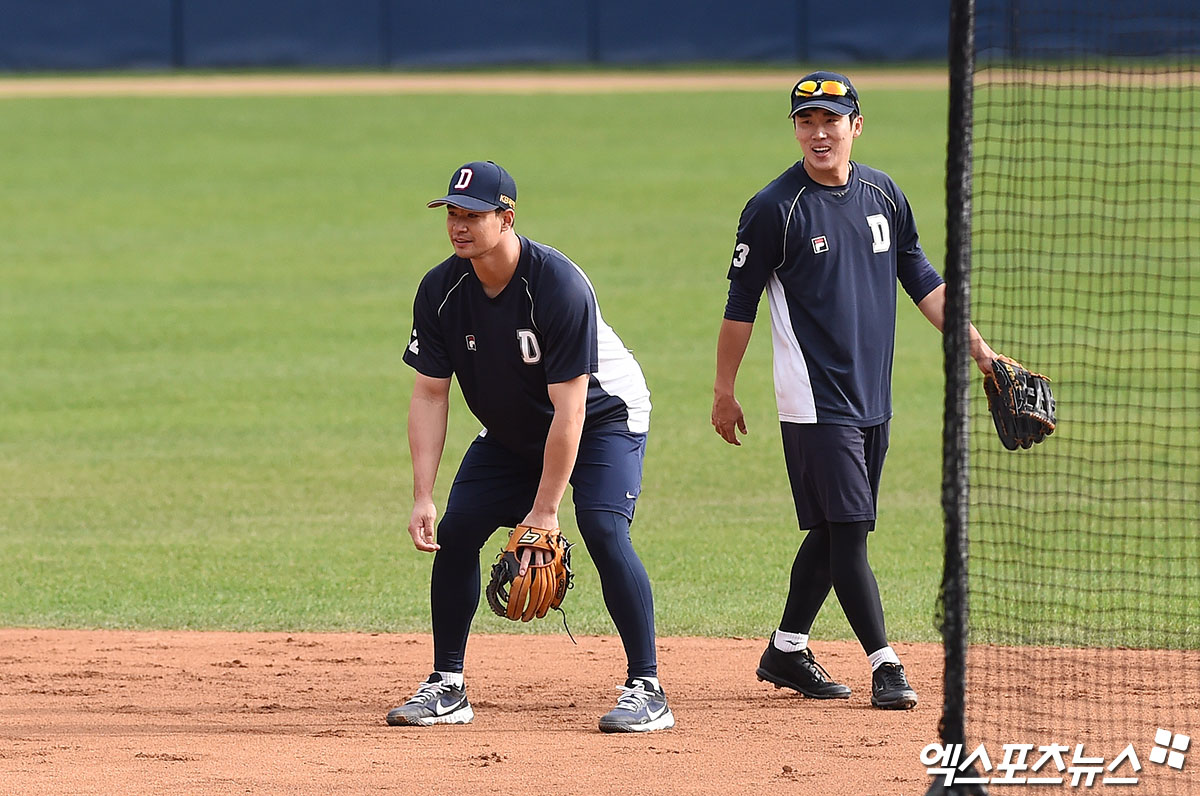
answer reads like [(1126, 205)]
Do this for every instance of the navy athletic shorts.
[(493, 481), (834, 471)]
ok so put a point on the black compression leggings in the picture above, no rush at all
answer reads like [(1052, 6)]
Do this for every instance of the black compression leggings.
[(835, 555), (456, 580)]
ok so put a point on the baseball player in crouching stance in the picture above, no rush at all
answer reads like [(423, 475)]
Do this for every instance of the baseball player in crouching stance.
[(562, 401)]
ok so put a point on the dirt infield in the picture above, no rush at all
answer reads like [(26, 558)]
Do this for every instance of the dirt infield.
[(436, 83), (122, 712)]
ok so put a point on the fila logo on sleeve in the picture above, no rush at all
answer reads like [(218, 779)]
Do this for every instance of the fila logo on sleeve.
[(413, 345), (820, 245)]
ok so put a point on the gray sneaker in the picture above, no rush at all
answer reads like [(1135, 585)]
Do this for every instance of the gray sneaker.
[(436, 702), (640, 708)]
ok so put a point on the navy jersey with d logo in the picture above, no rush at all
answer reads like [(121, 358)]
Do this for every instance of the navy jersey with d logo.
[(544, 328), (829, 259)]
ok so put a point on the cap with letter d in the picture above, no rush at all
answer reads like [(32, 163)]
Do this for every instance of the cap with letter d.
[(828, 90), (480, 185)]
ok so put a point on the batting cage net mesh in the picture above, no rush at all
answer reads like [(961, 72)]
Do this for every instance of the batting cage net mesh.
[(1084, 550)]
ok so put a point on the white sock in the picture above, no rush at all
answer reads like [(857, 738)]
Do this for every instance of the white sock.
[(453, 678), (651, 680), (790, 642), (880, 657)]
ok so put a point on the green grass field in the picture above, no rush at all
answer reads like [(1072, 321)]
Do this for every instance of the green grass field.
[(203, 306)]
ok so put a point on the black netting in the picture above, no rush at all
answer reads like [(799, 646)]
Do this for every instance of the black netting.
[(1085, 265)]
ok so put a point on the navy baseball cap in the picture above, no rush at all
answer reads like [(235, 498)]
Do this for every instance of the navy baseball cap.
[(481, 185), (827, 90)]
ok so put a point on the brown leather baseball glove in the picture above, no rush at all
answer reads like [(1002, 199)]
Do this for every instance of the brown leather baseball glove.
[(545, 582)]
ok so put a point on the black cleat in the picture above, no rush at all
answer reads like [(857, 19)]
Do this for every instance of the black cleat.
[(890, 689), (800, 672)]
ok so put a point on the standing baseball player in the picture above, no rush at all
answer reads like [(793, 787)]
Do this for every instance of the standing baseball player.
[(561, 400), (828, 239)]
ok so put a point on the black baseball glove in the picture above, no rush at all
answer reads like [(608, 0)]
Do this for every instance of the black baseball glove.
[(1021, 404)]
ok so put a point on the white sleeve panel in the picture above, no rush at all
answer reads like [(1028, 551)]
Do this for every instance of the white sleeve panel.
[(793, 386), (621, 377), (618, 372)]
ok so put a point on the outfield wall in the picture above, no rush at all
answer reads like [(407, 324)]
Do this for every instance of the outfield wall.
[(384, 34), (197, 34)]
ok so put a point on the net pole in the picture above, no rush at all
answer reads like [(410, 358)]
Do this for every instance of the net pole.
[(956, 347)]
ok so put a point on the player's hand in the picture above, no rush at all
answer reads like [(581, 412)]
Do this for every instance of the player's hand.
[(530, 556), (423, 526), (727, 418), (983, 355), (536, 519), (986, 359)]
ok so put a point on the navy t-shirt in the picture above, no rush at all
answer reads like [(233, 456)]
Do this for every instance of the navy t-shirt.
[(543, 328), (829, 259)]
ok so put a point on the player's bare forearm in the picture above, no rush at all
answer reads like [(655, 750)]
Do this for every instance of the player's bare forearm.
[(727, 416), (428, 413), (427, 420), (562, 446), (933, 307), (732, 341)]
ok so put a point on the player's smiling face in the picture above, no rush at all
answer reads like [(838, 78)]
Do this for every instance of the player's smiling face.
[(826, 138), (474, 233)]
